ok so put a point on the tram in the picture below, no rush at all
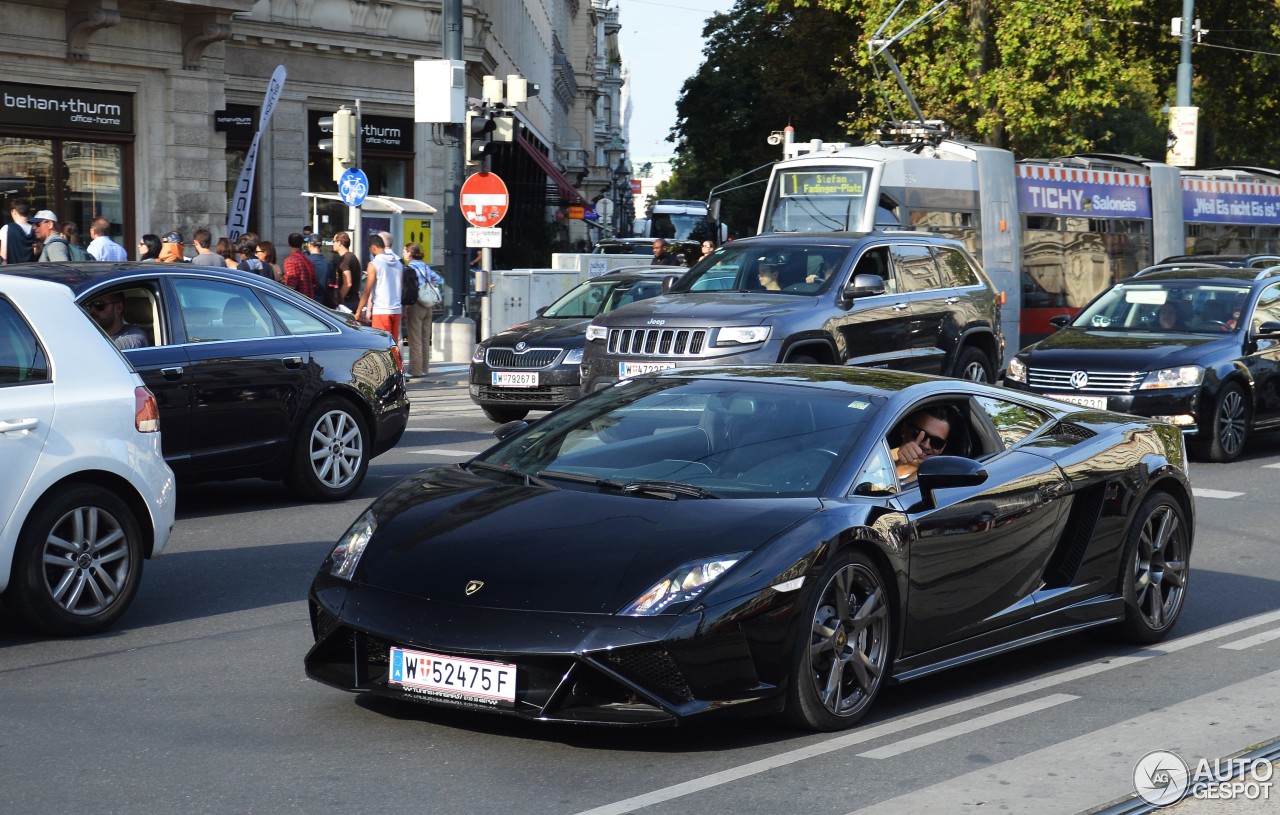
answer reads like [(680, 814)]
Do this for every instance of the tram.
[(1051, 233)]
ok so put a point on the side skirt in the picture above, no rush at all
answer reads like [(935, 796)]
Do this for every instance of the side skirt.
[(1060, 623)]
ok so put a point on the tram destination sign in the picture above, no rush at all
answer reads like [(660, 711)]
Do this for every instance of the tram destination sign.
[(65, 108), (843, 183)]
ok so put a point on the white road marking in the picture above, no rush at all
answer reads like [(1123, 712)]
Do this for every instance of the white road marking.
[(1256, 639), (866, 734), (1271, 466), (1201, 492), (1069, 777), (968, 726), (437, 451)]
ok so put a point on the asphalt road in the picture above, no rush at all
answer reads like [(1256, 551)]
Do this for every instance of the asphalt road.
[(197, 701)]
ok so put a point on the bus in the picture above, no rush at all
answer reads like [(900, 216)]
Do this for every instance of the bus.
[(1051, 233)]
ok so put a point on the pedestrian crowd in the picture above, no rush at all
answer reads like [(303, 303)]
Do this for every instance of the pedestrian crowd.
[(393, 291)]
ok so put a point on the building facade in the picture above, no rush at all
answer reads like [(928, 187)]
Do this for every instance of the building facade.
[(144, 112)]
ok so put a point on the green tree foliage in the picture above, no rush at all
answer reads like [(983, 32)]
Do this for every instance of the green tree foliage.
[(763, 69)]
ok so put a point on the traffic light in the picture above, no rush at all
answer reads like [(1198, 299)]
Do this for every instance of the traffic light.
[(342, 124), (480, 127)]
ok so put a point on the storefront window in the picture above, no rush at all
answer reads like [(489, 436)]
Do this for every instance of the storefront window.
[(94, 184)]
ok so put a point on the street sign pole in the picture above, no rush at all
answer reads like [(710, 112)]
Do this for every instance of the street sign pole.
[(486, 302)]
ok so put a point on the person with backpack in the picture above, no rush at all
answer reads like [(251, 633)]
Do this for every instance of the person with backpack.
[(15, 238), (419, 311), (45, 228)]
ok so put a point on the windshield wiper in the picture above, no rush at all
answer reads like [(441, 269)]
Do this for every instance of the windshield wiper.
[(667, 489), (529, 479), (658, 489)]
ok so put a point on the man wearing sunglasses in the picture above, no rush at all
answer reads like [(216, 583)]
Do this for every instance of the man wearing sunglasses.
[(920, 435), (108, 312)]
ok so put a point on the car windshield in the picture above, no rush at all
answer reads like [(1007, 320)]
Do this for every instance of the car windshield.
[(1170, 306), (776, 268), (600, 295), (721, 438)]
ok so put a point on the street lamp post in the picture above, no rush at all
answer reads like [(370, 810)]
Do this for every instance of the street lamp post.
[(615, 153)]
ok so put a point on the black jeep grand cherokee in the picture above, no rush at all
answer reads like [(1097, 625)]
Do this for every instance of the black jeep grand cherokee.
[(907, 300)]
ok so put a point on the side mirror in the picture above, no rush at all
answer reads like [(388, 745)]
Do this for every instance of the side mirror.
[(864, 285), (504, 430), (1059, 321), (1268, 329), (713, 209), (540, 310), (943, 472), (668, 282)]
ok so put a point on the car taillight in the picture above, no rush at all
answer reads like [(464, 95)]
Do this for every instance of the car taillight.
[(395, 354), (146, 411)]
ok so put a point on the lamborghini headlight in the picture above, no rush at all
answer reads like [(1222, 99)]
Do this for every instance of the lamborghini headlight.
[(1187, 376), (742, 335), (681, 586), (346, 555)]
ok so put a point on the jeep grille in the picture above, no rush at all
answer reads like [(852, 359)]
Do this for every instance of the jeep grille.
[(657, 342)]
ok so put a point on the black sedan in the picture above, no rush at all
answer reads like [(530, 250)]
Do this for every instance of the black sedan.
[(738, 541), (1197, 346), (253, 380), (537, 365)]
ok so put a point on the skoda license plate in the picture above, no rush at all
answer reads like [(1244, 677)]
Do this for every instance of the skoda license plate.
[(1095, 402), (464, 680), (515, 379), (626, 369)]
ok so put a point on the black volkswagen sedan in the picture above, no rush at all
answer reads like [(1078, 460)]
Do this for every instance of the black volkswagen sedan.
[(733, 541), (1197, 346), (253, 380), (537, 365)]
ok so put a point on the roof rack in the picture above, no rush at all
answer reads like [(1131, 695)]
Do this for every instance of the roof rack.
[(1173, 267), (1274, 271)]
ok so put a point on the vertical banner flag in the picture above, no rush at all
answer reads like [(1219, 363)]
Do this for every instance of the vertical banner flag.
[(238, 217)]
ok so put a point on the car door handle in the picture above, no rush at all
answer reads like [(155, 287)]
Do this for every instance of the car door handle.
[(293, 363), (1051, 490), (172, 374), (16, 425), (899, 306), (951, 301)]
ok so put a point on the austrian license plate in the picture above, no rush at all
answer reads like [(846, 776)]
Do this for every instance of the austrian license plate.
[(626, 369), (1095, 402), (515, 379), (441, 677)]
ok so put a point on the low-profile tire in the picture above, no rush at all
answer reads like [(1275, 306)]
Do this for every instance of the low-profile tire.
[(973, 365), (332, 453), (1154, 568), (1222, 435), (503, 415), (841, 654), (78, 562)]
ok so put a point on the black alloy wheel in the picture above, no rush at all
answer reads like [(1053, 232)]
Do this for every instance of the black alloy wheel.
[(502, 415), (1228, 427), (842, 652), (1154, 569), (78, 563), (974, 366), (332, 453)]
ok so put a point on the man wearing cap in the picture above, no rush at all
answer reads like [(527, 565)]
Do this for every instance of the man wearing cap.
[(324, 269), (380, 300), (44, 229)]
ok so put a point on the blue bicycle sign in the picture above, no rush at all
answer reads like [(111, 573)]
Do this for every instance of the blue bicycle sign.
[(353, 186)]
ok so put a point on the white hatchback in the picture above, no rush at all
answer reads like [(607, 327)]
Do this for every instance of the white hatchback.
[(85, 494)]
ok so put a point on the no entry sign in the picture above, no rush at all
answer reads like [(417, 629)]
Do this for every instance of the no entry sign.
[(484, 199)]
